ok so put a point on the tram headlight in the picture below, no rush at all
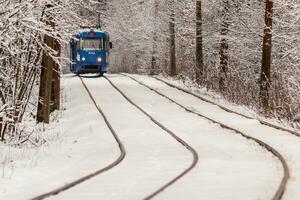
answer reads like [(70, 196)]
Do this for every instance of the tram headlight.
[(83, 58), (99, 59)]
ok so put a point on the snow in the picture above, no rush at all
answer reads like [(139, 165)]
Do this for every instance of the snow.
[(285, 143), (212, 96), (152, 156), (230, 167), (225, 159), (85, 145)]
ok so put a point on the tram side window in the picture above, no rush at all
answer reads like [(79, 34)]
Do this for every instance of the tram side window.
[(74, 47), (77, 45), (91, 44), (104, 43)]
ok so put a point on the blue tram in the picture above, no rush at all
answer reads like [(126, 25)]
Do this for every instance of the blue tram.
[(90, 52)]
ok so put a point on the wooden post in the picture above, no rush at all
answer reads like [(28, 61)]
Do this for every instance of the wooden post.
[(48, 64), (265, 77)]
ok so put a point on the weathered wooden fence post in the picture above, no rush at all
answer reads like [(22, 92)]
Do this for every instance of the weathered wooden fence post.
[(48, 64)]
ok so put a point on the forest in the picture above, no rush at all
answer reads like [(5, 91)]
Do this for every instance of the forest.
[(246, 51)]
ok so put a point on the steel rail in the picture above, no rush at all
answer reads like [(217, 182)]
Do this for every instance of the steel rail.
[(98, 172), (286, 174), (227, 109), (186, 145)]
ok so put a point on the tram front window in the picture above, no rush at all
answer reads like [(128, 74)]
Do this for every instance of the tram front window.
[(91, 44)]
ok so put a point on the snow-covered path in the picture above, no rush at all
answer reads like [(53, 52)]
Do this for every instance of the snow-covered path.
[(152, 156), (230, 167), (226, 160), (287, 144), (86, 145)]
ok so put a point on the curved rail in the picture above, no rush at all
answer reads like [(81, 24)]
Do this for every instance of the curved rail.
[(191, 149), (281, 189), (96, 173), (227, 109)]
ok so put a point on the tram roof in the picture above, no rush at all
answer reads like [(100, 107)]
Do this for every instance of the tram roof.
[(88, 33)]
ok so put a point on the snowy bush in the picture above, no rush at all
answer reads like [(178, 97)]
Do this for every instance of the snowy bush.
[(23, 25)]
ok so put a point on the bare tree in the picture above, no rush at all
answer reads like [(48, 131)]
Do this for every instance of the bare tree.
[(173, 71), (22, 44), (155, 41), (224, 45), (199, 43)]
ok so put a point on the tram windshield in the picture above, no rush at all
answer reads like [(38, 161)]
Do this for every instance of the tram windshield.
[(92, 44)]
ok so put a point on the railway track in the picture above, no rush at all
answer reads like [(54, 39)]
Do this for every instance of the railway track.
[(123, 152), (226, 109), (281, 189), (96, 173), (187, 146), (277, 196)]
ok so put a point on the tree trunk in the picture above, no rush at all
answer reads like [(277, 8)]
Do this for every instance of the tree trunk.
[(1, 131), (99, 14), (224, 46), (199, 45), (265, 77), (173, 71), (3, 127), (153, 70)]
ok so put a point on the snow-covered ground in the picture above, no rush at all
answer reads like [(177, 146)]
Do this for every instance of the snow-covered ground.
[(230, 166), (285, 143), (217, 98), (152, 156), (85, 145), (228, 163)]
